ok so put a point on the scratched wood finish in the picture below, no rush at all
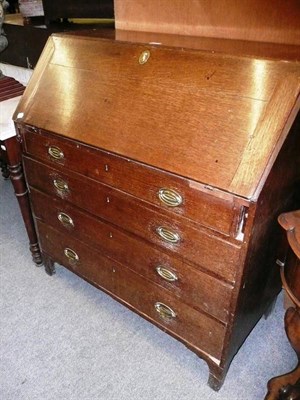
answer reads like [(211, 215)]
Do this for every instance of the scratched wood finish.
[(261, 273), (196, 244), (197, 328), (253, 160), (202, 117), (195, 287), (234, 47), (276, 21), (222, 128), (220, 213)]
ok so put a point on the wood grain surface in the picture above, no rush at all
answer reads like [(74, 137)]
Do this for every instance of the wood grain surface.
[(195, 287), (222, 129), (189, 326), (199, 115), (196, 244), (276, 21), (213, 209)]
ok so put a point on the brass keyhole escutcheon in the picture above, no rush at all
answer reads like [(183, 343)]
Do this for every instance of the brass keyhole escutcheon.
[(144, 57)]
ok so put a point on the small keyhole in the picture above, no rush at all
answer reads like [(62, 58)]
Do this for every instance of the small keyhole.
[(144, 57)]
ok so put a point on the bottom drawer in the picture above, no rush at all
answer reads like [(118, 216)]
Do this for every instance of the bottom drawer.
[(195, 329)]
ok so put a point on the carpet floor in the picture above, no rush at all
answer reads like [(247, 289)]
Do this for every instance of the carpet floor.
[(62, 339)]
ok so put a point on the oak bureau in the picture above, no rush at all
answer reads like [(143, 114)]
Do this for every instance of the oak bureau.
[(157, 173)]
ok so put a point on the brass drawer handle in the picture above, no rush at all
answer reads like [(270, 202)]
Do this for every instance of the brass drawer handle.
[(166, 274), (167, 235), (170, 197), (56, 153), (60, 185), (164, 311), (71, 255), (65, 219)]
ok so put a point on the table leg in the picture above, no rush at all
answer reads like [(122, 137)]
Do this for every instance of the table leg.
[(14, 157), (287, 387)]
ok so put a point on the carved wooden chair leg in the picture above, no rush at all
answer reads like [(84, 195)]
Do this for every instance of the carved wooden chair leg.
[(290, 392), (287, 386)]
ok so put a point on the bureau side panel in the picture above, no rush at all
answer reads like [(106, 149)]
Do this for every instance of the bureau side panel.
[(260, 280)]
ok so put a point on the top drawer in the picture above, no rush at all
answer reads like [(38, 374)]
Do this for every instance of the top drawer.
[(172, 193)]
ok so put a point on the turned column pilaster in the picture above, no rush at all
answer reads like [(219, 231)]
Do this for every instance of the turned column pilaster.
[(14, 157)]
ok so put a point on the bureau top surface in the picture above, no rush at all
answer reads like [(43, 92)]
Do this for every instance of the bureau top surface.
[(217, 119)]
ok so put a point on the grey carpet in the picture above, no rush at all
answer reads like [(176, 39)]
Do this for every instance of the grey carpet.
[(63, 339)]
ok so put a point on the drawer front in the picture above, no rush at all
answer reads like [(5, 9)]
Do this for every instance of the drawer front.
[(192, 327), (170, 192), (131, 214), (192, 286)]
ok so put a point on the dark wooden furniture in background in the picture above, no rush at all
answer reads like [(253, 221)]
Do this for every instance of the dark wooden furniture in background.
[(166, 167), (14, 159), (26, 41), (157, 173), (250, 20), (9, 88), (287, 387), (3, 161), (11, 159), (57, 9)]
